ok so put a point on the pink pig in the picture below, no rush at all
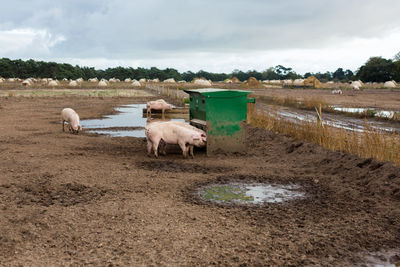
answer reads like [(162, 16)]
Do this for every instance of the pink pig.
[(163, 145), (171, 133), (159, 104), (69, 115)]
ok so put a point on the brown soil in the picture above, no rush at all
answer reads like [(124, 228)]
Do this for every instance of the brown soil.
[(93, 200), (371, 98)]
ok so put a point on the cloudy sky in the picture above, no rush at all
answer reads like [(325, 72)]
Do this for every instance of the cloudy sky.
[(213, 35)]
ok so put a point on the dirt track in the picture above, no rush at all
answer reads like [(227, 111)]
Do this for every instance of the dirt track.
[(93, 200)]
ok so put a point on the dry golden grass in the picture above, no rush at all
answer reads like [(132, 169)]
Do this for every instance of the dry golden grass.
[(305, 103), (252, 83), (371, 143)]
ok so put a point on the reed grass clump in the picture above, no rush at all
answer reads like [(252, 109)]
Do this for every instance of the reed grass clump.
[(371, 143)]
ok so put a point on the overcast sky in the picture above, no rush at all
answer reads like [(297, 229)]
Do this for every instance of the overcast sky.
[(213, 35)]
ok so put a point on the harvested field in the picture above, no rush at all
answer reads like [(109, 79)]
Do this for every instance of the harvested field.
[(388, 99), (94, 200)]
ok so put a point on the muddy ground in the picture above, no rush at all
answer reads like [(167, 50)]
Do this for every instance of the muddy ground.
[(386, 99), (97, 201)]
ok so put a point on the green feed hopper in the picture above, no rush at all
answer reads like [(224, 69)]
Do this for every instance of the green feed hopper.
[(222, 114)]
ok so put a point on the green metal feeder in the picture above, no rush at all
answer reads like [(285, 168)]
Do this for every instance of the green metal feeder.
[(222, 114)]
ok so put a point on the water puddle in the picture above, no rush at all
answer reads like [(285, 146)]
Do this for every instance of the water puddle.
[(250, 193), (383, 259), (334, 120), (369, 111), (128, 122)]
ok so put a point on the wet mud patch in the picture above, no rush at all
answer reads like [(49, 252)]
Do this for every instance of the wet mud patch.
[(382, 259), (17, 141), (250, 193), (257, 191), (44, 194), (171, 166)]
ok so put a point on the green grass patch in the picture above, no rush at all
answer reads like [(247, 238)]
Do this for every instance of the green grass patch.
[(227, 193)]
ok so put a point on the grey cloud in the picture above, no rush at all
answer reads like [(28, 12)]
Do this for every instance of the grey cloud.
[(140, 29)]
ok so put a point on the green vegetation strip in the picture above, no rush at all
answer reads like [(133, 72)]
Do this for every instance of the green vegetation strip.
[(75, 92), (226, 193)]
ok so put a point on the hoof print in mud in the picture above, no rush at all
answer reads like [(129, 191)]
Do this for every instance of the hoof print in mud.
[(180, 166)]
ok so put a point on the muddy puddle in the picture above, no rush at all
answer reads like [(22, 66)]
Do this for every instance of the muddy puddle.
[(334, 120), (371, 111), (250, 193), (128, 122), (383, 259)]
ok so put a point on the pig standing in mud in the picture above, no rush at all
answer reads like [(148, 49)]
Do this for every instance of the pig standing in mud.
[(159, 104), (163, 146), (69, 115), (171, 133)]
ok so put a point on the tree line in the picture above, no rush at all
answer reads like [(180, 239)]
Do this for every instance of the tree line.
[(376, 69)]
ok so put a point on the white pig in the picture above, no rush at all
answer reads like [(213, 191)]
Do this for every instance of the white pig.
[(171, 133), (163, 145), (69, 115), (159, 104)]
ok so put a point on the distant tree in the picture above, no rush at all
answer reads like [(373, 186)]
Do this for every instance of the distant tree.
[(397, 70), (396, 57), (396, 60), (270, 74), (323, 77), (188, 76), (338, 74), (377, 69), (349, 75)]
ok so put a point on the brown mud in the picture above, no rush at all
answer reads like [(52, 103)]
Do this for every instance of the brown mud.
[(93, 200)]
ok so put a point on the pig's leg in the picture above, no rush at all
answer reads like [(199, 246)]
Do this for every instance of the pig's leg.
[(163, 148), (149, 146), (63, 121), (155, 147), (191, 151), (184, 149)]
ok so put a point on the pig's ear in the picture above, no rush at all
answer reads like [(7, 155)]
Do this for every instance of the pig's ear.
[(195, 136)]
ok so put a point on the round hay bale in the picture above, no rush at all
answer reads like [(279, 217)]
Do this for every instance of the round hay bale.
[(53, 83), (170, 80), (202, 82), (73, 83), (389, 84), (253, 82), (102, 83), (298, 82), (235, 80), (357, 84), (27, 82), (136, 83), (313, 82)]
